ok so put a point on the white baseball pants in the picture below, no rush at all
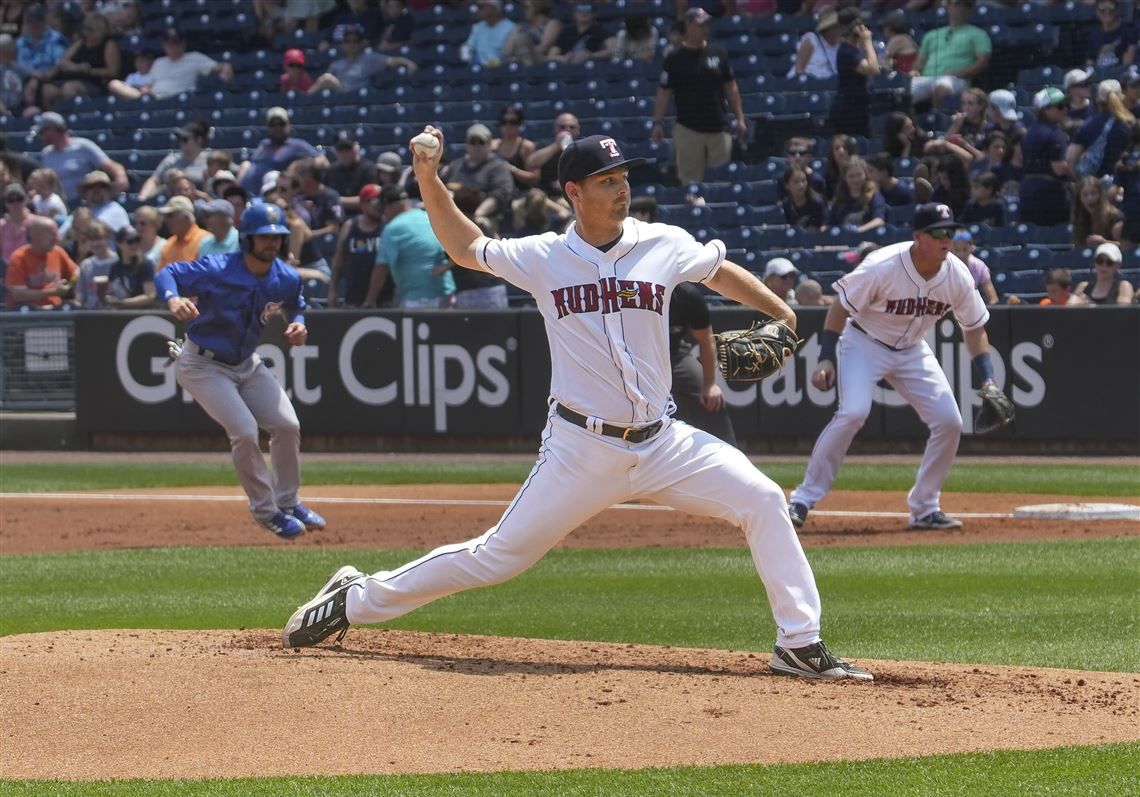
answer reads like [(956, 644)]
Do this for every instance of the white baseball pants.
[(578, 474), (916, 375)]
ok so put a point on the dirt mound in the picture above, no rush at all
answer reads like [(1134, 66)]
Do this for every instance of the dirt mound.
[(191, 704)]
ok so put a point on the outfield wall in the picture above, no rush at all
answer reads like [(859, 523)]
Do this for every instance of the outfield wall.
[(424, 377)]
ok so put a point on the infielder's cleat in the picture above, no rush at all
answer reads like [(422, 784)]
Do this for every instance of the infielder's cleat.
[(324, 615), (798, 513), (283, 525), (936, 520), (817, 662), (307, 516)]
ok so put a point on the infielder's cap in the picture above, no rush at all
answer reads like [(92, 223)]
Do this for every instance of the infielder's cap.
[(592, 155), (780, 267), (1106, 88), (389, 162), (94, 178), (697, 15), (294, 56), (221, 176), (1006, 104), (50, 119), (479, 132), (369, 193), (934, 216), (1076, 77), (393, 193), (276, 113), (1051, 96), (218, 206), (1111, 251), (177, 204)]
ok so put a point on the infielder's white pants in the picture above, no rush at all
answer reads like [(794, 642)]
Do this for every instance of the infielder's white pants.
[(918, 378), (241, 398), (579, 473)]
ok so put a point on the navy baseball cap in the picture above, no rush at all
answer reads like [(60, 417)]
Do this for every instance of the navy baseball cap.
[(592, 155), (934, 216)]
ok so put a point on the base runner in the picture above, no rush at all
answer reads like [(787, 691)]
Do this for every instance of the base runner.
[(603, 288), (886, 306)]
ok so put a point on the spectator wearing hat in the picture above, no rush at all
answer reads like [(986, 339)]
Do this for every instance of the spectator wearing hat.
[(1077, 83), (699, 77), (222, 179), (349, 172), (141, 80), (488, 37), (780, 278), (89, 64), (40, 272), (816, 50), (176, 72), (190, 159), (962, 245), (274, 153), (295, 77), (1097, 145), (412, 255), (98, 198), (321, 203), (131, 281), (1108, 288), (390, 170), (15, 220), (1002, 114), (357, 67), (223, 235), (485, 172), (856, 62), (585, 40), (1114, 42), (1045, 172), (185, 234), (39, 49), (72, 157), (950, 57), (357, 246)]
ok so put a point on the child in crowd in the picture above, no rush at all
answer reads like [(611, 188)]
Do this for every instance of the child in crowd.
[(901, 48), (985, 205), (95, 270), (1058, 290), (295, 77), (896, 192), (962, 245), (141, 78), (44, 188)]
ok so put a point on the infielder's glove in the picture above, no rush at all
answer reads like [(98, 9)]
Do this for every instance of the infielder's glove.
[(996, 410), (757, 352)]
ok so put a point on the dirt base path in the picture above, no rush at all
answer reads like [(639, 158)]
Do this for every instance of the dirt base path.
[(181, 704), (33, 524)]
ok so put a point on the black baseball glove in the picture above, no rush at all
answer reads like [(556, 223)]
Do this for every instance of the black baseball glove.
[(996, 410), (757, 352)]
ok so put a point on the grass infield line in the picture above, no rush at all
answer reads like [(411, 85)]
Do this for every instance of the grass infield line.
[(432, 502)]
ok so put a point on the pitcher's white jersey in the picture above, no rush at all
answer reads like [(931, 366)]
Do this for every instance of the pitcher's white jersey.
[(606, 313), (886, 296)]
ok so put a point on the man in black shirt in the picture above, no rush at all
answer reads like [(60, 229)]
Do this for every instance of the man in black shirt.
[(699, 400), (349, 173), (701, 79), (322, 202), (584, 40)]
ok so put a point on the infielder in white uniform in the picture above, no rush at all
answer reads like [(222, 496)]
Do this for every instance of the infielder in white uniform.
[(886, 306), (603, 288)]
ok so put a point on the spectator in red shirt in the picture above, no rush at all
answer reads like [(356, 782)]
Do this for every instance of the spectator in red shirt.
[(295, 77)]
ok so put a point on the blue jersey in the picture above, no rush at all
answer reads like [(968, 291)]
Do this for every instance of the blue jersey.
[(233, 304)]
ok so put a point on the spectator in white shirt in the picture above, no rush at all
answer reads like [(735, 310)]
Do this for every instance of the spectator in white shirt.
[(176, 72)]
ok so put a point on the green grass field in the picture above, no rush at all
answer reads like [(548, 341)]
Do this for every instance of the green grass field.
[(1054, 604)]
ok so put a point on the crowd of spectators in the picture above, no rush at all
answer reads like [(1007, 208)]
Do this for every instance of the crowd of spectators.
[(78, 232)]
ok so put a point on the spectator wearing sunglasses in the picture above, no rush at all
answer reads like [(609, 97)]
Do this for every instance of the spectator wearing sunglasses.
[(545, 157), (513, 147), (131, 284), (295, 77), (1078, 85), (275, 152), (1108, 288), (14, 224), (485, 172), (357, 67)]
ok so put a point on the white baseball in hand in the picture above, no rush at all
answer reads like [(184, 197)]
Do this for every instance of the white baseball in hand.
[(425, 145)]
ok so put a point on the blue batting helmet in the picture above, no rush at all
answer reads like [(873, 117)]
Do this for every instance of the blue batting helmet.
[(261, 218)]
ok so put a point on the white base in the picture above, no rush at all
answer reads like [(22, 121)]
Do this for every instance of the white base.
[(1079, 512)]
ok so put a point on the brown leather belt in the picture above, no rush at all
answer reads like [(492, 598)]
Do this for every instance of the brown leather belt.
[(630, 434), (855, 324)]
